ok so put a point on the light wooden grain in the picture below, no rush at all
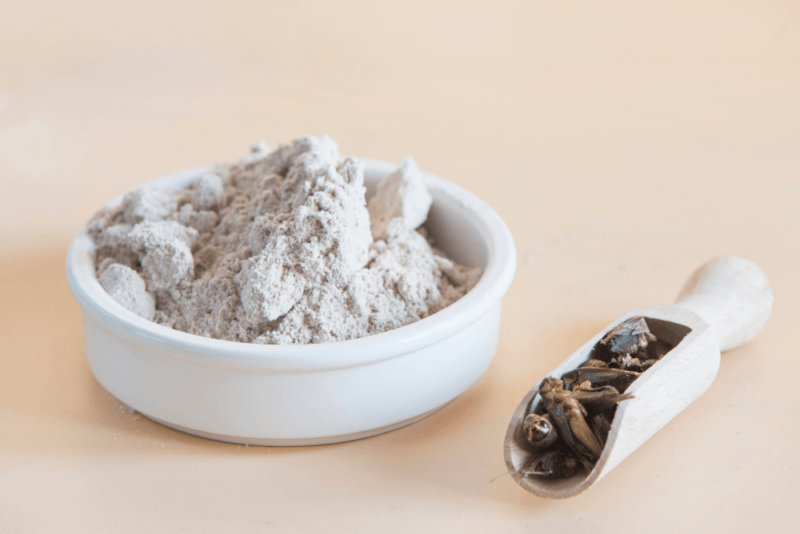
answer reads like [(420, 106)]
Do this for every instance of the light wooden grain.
[(725, 303)]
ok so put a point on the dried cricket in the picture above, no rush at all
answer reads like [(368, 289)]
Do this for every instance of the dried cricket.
[(539, 431), (568, 428), (555, 463), (628, 341)]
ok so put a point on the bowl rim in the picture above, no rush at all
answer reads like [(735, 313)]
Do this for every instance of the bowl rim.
[(480, 300)]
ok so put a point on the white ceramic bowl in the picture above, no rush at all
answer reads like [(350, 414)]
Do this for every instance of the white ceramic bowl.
[(309, 394)]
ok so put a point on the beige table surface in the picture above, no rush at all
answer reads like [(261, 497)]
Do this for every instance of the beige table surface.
[(624, 143)]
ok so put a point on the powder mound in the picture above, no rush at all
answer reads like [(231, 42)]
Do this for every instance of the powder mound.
[(126, 287), (403, 194), (279, 248), (148, 204)]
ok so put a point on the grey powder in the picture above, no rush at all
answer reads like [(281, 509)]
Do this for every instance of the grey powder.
[(279, 248)]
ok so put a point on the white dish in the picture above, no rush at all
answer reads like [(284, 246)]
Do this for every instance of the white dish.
[(309, 394)]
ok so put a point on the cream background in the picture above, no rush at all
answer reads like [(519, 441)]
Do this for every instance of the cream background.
[(624, 143)]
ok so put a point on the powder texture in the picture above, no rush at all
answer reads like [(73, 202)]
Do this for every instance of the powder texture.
[(401, 195), (279, 248), (127, 287)]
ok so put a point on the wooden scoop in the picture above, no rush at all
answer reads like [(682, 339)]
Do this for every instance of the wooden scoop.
[(722, 306)]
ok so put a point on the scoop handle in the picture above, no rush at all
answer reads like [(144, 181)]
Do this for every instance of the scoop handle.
[(732, 294)]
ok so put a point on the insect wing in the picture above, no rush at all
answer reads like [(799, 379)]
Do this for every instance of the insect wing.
[(568, 421), (585, 436), (598, 375)]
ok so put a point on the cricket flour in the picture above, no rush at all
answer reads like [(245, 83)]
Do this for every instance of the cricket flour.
[(279, 248)]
